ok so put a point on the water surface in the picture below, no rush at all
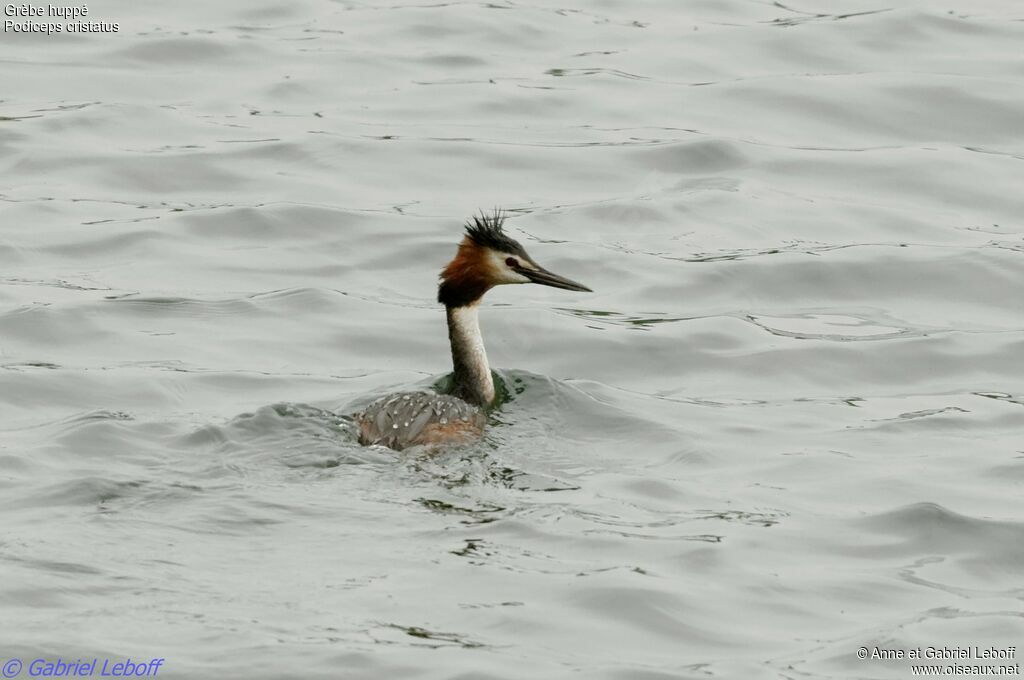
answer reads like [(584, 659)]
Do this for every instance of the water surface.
[(786, 424)]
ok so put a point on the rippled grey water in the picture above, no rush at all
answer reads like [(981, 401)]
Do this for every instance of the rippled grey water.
[(786, 425)]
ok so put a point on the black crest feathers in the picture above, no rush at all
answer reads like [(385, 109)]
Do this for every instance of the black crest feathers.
[(487, 231)]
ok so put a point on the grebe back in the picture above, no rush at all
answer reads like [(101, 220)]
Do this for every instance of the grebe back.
[(486, 257)]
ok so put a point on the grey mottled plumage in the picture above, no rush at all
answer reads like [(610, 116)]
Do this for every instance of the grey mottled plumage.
[(410, 418)]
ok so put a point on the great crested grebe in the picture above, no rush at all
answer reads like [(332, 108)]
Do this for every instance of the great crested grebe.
[(486, 258)]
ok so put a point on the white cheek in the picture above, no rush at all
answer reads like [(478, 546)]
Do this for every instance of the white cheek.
[(514, 277), (501, 272)]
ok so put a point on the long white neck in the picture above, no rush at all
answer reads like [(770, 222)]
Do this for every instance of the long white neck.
[(473, 381)]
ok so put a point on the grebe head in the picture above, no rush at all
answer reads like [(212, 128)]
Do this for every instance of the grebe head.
[(487, 257)]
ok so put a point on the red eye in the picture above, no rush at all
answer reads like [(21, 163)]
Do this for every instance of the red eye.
[(512, 262)]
